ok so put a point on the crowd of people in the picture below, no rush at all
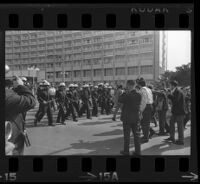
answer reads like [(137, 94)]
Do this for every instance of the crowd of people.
[(139, 104)]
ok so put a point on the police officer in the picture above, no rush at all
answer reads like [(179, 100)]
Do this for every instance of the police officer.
[(52, 93), (45, 102), (76, 99), (60, 98), (69, 100), (94, 95), (85, 97)]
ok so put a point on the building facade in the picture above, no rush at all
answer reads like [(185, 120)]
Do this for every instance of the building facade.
[(86, 56)]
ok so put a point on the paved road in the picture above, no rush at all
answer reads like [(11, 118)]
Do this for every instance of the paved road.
[(99, 136)]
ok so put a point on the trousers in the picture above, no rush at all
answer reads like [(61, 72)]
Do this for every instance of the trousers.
[(135, 127), (180, 125), (145, 122)]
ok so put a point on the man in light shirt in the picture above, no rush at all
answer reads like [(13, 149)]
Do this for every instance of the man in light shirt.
[(146, 108)]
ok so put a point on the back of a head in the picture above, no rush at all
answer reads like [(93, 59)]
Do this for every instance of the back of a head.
[(142, 82), (130, 82)]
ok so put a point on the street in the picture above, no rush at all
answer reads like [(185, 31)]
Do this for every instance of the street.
[(98, 136)]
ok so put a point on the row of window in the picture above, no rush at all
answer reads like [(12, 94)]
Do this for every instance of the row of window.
[(99, 72), (51, 42), (58, 34)]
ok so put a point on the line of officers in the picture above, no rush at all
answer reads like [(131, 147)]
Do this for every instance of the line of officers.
[(72, 101)]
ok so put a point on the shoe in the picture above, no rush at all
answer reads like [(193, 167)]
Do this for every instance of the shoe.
[(63, 123), (89, 118), (179, 142), (170, 139), (51, 125), (162, 134), (135, 154), (114, 119), (151, 134), (75, 120), (122, 152), (144, 140)]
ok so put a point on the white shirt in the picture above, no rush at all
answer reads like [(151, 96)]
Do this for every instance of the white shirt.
[(147, 97)]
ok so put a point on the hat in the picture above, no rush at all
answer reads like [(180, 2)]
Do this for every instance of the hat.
[(110, 87), (62, 84), (24, 78), (76, 85), (46, 83), (40, 84), (100, 84), (85, 86), (71, 85)]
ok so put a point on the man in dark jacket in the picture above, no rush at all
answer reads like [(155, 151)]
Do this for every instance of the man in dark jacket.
[(131, 116), (16, 105), (178, 112)]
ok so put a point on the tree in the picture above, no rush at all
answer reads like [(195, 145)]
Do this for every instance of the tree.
[(182, 75)]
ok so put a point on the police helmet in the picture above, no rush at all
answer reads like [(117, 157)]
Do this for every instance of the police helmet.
[(62, 84)]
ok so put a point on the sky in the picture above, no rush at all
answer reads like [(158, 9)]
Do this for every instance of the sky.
[(179, 48)]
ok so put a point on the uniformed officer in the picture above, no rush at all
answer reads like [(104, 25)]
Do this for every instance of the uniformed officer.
[(60, 98), (94, 95), (52, 93), (45, 102), (85, 97), (76, 99), (69, 100)]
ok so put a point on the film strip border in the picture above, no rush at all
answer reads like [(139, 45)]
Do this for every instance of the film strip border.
[(129, 16), (100, 168)]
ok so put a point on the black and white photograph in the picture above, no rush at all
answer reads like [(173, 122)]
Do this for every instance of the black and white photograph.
[(98, 92)]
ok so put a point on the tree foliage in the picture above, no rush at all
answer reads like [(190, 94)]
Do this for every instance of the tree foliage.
[(182, 75)]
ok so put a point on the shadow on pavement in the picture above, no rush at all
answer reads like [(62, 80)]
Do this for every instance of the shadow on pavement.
[(95, 123), (110, 146), (157, 150), (114, 132), (103, 147)]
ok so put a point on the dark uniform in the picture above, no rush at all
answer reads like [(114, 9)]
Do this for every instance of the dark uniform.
[(76, 101), (69, 105), (16, 105), (108, 101), (131, 119), (85, 97), (60, 98), (45, 102), (102, 100), (94, 95)]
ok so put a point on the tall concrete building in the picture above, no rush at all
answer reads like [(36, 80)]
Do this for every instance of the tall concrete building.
[(86, 56)]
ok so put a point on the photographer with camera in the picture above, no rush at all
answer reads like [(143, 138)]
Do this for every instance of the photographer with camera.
[(17, 103)]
